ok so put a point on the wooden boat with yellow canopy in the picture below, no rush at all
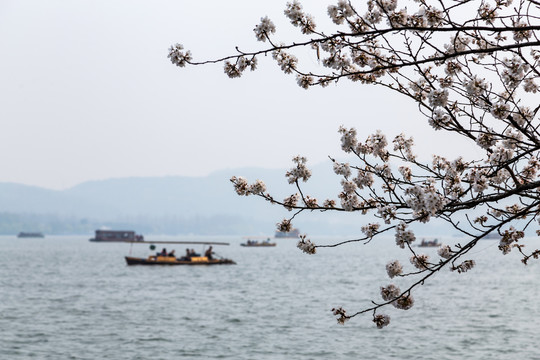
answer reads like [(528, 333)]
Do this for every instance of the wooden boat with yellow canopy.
[(168, 259)]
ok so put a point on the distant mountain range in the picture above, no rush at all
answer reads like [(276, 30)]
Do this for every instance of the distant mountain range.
[(171, 205)]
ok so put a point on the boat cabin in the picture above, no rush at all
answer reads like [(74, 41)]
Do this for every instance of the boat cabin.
[(117, 235)]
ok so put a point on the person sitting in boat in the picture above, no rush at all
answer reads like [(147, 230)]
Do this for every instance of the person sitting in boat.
[(208, 253), (193, 253), (172, 254), (162, 253), (187, 256)]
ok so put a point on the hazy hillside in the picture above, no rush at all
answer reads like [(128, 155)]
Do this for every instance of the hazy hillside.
[(170, 205), (112, 198)]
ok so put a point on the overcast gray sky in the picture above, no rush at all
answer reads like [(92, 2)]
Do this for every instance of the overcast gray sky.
[(88, 93)]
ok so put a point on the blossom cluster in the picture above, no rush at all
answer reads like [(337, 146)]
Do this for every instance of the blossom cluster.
[(381, 320), (386, 212), (341, 313), (298, 18), (338, 13), (445, 252), (364, 178), (478, 178), (404, 236), (264, 29), (406, 172), (393, 294), (425, 200), (404, 145), (306, 245), (242, 187), (464, 266), (178, 56), (486, 139), (290, 202), (377, 145), (370, 229), (311, 202), (476, 87), (301, 171), (342, 169), (287, 62), (509, 237), (404, 302), (242, 63), (304, 81), (439, 119), (348, 139), (513, 72), (500, 155), (420, 261), (394, 268), (438, 97), (258, 187), (329, 203), (390, 292), (349, 199), (284, 226)]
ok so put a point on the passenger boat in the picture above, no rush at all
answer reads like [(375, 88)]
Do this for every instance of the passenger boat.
[(116, 236), (170, 259), (23, 234)]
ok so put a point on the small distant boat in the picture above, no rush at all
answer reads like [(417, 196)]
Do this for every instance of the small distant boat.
[(116, 236), (23, 234), (294, 233), (256, 243), (429, 243)]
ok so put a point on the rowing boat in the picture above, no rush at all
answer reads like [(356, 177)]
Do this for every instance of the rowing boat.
[(170, 260), (164, 258)]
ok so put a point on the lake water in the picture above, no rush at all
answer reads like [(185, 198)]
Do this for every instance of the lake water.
[(64, 297)]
